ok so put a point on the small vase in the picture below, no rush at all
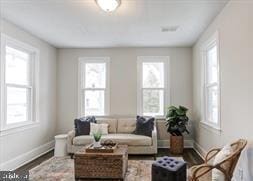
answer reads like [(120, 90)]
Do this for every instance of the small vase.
[(96, 144)]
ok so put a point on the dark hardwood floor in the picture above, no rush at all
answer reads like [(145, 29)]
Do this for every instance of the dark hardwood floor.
[(35, 162), (189, 155)]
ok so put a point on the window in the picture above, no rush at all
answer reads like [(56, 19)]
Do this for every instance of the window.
[(18, 83), (211, 82), (94, 86), (152, 85)]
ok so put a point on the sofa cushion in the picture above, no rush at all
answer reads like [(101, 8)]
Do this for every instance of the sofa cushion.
[(126, 125), (112, 128), (83, 140), (82, 125), (128, 139)]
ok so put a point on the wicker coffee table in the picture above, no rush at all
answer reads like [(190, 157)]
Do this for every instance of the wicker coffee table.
[(101, 165)]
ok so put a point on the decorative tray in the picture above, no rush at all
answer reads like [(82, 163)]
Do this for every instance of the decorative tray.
[(102, 149)]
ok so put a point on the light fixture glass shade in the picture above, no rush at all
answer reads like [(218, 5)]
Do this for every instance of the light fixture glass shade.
[(108, 5)]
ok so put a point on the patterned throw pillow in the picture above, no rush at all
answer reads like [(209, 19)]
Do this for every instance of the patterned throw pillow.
[(144, 126), (102, 128), (82, 125)]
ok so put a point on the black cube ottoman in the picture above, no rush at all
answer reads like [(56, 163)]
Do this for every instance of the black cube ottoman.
[(168, 169)]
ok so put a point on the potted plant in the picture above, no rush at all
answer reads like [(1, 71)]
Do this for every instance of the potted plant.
[(177, 120), (97, 136)]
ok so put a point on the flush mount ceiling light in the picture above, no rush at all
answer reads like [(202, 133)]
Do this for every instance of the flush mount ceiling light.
[(108, 5)]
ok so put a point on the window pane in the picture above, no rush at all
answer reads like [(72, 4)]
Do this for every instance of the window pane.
[(95, 75), (153, 101), (17, 66), (212, 65), (212, 104), (94, 102), (153, 75), (17, 104)]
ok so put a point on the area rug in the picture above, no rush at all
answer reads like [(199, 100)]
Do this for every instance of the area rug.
[(62, 169)]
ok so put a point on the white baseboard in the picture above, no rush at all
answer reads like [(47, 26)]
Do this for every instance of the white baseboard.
[(199, 149), (166, 143), (27, 157)]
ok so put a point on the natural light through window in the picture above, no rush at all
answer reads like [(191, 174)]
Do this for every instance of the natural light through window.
[(18, 83), (211, 83), (152, 89), (94, 92)]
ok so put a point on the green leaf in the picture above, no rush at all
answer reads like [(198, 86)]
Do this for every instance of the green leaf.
[(176, 120), (97, 136), (180, 112), (183, 109)]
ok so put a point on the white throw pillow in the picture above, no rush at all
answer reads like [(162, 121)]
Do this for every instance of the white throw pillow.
[(94, 128), (217, 175)]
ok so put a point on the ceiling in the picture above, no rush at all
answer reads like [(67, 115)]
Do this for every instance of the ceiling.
[(136, 23)]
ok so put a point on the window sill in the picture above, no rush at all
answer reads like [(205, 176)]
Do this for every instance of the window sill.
[(211, 127), (20, 128)]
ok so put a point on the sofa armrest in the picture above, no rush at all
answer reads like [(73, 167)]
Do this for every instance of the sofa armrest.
[(71, 135), (154, 138)]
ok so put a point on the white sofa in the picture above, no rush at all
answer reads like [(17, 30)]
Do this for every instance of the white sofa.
[(120, 130)]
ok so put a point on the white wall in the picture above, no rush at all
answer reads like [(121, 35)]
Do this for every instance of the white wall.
[(235, 27), (123, 80), (21, 146)]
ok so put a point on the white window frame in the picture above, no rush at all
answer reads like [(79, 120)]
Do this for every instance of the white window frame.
[(81, 80), (155, 59), (34, 87), (211, 42)]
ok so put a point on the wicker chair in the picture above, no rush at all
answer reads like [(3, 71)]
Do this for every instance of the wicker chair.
[(203, 172)]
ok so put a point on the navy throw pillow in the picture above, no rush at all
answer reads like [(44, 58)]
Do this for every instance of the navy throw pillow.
[(144, 126), (82, 125)]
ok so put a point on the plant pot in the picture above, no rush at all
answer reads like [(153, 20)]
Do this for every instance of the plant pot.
[(96, 144), (176, 144)]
